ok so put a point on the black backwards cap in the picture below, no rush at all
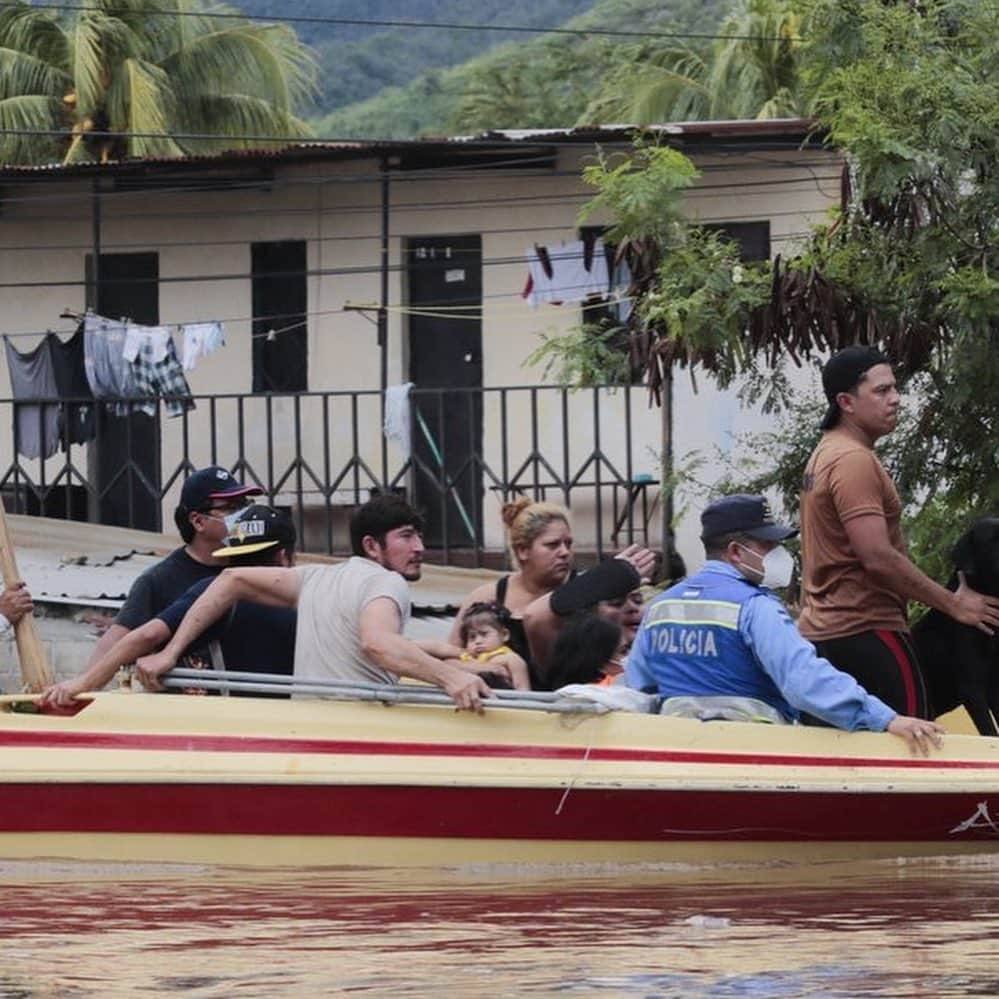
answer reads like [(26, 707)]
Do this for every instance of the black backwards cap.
[(743, 514), (842, 373), (256, 528)]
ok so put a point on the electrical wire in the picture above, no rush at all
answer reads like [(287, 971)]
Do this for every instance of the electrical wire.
[(354, 271), (569, 198), (439, 311), (107, 246), (434, 25), (268, 184)]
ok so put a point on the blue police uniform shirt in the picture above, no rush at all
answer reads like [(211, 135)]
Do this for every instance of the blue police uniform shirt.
[(716, 633)]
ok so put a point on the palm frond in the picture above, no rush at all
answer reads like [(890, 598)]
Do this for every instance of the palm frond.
[(29, 112), (141, 103), (22, 73), (262, 61), (236, 116), (33, 32), (88, 65)]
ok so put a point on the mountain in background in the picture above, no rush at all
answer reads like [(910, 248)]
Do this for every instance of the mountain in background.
[(360, 60), (405, 82)]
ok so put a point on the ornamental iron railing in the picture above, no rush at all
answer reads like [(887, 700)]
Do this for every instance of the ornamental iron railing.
[(458, 454)]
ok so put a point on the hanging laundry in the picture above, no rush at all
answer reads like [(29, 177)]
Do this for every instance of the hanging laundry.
[(621, 301), (109, 374), (398, 427), (200, 340), (156, 369), (31, 377), (77, 423), (149, 342), (559, 274)]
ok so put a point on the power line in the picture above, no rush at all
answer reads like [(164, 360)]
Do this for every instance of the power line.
[(318, 272), (749, 189), (471, 311), (373, 147), (433, 25), (268, 184), (108, 246)]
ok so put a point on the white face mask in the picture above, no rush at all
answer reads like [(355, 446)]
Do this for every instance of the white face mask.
[(777, 567), (232, 519)]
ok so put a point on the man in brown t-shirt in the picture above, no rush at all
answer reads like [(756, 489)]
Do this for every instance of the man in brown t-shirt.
[(857, 577)]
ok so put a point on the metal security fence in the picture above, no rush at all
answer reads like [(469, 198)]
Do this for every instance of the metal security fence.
[(459, 454)]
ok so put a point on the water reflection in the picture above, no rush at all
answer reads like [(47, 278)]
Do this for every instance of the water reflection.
[(919, 928)]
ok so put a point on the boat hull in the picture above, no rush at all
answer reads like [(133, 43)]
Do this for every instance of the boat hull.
[(274, 783)]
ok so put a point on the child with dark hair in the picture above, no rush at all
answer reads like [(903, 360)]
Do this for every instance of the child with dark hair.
[(585, 651), (484, 633)]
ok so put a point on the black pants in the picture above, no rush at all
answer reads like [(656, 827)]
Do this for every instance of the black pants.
[(884, 663)]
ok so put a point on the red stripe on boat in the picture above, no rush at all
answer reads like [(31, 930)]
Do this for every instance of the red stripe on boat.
[(343, 747), (490, 813)]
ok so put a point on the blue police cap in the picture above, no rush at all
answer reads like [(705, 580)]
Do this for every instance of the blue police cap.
[(743, 514)]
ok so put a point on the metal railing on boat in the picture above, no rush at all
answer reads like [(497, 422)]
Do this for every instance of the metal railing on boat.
[(225, 681)]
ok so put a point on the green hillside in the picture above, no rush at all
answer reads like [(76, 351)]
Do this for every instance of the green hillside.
[(360, 60), (532, 82)]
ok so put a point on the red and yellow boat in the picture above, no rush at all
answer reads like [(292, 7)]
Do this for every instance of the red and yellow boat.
[(322, 782)]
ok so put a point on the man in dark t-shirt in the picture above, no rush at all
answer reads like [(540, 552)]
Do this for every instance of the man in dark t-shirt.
[(252, 637), (209, 495)]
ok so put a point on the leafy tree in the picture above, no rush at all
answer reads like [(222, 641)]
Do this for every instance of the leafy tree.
[(910, 93), (752, 70), (144, 66)]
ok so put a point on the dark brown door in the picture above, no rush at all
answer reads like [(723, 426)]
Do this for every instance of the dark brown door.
[(124, 459), (445, 359)]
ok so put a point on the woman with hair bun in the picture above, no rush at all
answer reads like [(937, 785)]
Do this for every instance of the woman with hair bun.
[(539, 540)]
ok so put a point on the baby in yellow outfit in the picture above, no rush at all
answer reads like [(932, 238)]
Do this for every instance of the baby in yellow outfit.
[(484, 636)]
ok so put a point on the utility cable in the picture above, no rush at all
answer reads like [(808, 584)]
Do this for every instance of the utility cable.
[(432, 25)]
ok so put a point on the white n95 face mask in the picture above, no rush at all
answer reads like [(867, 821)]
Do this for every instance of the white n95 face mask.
[(778, 567)]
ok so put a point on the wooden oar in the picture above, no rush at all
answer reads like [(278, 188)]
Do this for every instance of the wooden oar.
[(35, 669)]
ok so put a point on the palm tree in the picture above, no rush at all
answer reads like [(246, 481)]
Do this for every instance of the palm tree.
[(750, 71), (151, 71)]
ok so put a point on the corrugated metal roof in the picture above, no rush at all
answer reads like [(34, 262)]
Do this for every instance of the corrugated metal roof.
[(746, 132)]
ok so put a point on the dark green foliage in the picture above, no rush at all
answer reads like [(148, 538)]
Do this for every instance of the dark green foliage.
[(530, 82), (910, 92), (359, 62)]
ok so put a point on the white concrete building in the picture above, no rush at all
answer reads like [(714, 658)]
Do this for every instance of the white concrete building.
[(296, 250)]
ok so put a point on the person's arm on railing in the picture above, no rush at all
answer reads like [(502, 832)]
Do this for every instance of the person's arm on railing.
[(132, 645), (383, 644), (263, 585)]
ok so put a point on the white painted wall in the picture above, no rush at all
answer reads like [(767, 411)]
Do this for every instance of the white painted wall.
[(335, 206)]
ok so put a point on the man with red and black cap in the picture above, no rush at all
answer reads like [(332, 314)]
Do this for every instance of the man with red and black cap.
[(720, 644), (857, 577), (254, 638), (207, 497)]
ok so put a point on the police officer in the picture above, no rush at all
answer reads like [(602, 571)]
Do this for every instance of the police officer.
[(721, 644)]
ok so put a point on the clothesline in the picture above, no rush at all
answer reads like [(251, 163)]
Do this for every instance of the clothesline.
[(128, 366), (513, 296), (195, 322)]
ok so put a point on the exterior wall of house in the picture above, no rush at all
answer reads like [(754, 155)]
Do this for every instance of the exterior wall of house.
[(203, 241)]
